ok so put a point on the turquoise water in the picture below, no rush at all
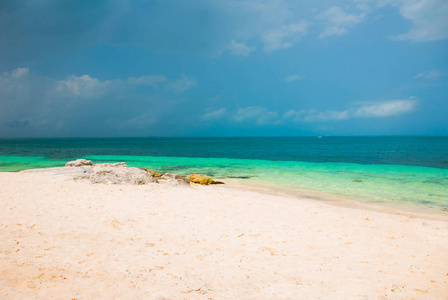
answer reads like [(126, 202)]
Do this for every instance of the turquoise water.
[(18, 163), (400, 175), (375, 183)]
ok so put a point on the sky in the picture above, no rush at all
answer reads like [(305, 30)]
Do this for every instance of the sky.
[(122, 68)]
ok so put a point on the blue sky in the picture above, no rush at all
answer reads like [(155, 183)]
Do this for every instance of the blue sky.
[(223, 68)]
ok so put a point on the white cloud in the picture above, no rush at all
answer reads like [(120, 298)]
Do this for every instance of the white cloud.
[(257, 114), (429, 18), (16, 73), (151, 80), (312, 115), (363, 5), (178, 86), (240, 49), (89, 87), (84, 86), (284, 37), (429, 75), (337, 22), (215, 115), (374, 110), (261, 115), (293, 77), (19, 72), (182, 84), (385, 109)]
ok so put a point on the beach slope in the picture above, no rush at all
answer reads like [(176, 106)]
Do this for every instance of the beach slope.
[(77, 240)]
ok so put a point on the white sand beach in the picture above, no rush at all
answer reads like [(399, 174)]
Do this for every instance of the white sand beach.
[(67, 239)]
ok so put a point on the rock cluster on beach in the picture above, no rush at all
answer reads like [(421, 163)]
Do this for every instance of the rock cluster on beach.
[(121, 173)]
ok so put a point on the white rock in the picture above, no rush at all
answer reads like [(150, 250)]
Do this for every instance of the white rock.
[(79, 163), (119, 173)]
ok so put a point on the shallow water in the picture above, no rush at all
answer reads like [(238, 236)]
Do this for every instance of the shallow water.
[(411, 172)]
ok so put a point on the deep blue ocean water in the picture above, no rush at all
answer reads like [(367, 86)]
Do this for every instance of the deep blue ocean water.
[(403, 170)]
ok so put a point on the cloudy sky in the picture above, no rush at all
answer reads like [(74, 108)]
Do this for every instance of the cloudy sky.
[(223, 67)]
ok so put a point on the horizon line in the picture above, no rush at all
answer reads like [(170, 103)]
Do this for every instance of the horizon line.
[(248, 136)]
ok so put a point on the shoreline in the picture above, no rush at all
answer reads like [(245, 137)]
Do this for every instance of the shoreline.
[(415, 211), (411, 210), (417, 190), (201, 242)]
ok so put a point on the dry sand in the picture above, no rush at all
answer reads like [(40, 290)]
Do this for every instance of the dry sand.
[(77, 240)]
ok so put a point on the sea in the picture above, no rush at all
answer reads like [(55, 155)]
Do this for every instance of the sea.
[(409, 171)]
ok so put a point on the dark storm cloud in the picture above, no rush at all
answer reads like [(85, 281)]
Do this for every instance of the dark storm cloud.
[(41, 27), (17, 124), (86, 106), (32, 29)]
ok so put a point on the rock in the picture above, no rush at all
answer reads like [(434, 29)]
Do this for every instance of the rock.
[(84, 172), (136, 176), (119, 173), (120, 164), (107, 177), (148, 170), (79, 163), (182, 178), (173, 179), (197, 178)]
